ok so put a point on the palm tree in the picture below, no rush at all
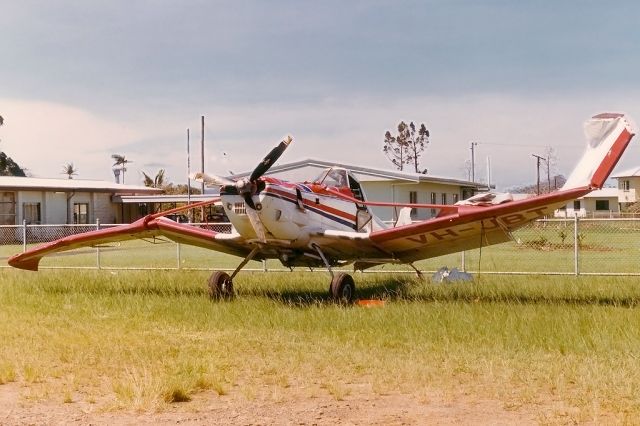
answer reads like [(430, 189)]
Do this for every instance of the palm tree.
[(69, 170), (156, 182), (121, 161)]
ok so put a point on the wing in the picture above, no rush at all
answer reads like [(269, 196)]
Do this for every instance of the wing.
[(472, 225), (466, 228), (469, 228), (147, 227)]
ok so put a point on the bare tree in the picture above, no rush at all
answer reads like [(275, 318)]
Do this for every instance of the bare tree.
[(407, 146), (466, 169)]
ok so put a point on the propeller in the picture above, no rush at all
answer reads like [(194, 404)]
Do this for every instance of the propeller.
[(211, 180), (248, 187), (270, 158)]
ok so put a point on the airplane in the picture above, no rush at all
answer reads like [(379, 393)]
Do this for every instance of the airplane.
[(326, 222)]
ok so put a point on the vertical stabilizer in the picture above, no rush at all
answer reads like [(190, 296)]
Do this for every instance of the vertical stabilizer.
[(607, 135)]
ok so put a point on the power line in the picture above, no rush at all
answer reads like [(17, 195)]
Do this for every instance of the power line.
[(528, 145)]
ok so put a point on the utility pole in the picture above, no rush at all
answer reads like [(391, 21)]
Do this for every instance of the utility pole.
[(473, 161), (202, 218), (202, 153), (538, 158), (188, 168)]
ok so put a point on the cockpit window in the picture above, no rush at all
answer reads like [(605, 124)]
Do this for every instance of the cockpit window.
[(341, 178), (333, 177)]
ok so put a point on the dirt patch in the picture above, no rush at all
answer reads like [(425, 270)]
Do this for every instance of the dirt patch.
[(275, 406)]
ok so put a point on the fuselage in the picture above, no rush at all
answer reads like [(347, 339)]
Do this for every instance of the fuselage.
[(292, 212)]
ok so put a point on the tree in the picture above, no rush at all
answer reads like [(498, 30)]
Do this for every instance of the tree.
[(69, 170), (407, 146), (121, 162), (8, 167), (156, 182)]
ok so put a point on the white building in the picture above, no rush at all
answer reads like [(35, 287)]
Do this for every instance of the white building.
[(597, 204), (386, 185), (628, 185), (59, 201)]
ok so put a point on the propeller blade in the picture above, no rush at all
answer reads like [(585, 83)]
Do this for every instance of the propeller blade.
[(271, 158), (211, 180), (257, 225)]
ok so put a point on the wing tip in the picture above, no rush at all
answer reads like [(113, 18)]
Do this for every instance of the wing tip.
[(28, 264)]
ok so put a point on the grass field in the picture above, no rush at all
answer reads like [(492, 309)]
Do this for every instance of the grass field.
[(143, 339)]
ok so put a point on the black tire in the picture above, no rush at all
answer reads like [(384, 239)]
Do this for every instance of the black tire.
[(220, 286), (343, 288)]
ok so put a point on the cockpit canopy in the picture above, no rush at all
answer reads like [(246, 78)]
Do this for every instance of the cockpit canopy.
[(340, 178)]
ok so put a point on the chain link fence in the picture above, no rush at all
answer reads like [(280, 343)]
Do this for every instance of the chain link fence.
[(550, 246)]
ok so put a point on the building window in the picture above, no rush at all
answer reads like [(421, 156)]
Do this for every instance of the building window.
[(433, 198), (443, 198), (624, 185), (81, 213), (576, 204), (455, 198), (31, 213), (602, 205), (413, 199), (7, 208)]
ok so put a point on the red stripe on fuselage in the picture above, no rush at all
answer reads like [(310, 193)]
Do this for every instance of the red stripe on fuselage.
[(312, 204)]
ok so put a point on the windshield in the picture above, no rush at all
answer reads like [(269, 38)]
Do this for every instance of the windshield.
[(332, 177)]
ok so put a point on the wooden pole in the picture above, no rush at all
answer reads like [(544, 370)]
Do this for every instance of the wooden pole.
[(202, 165), (202, 152)]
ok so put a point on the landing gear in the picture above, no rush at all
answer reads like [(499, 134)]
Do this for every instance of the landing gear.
[(342, 288), (220, 286)]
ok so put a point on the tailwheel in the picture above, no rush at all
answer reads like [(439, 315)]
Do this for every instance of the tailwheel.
[(220, 286), (343, 288)]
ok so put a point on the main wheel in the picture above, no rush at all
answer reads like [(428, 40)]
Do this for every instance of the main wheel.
[(342, 289), (220, 285)]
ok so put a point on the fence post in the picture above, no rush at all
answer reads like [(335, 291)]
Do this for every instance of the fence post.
[(576, 252), (178, 254), (98, 247), (24, 235), (464, 263)]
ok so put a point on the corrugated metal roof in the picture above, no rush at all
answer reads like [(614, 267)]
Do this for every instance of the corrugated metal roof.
[(603, 193), (179, 198), (86, 185), (367, 171), (627, 173)]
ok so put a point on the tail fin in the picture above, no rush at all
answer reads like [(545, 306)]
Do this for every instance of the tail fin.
[(608, 135)]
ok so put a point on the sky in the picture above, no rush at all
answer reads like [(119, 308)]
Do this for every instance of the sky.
[(82, 80)]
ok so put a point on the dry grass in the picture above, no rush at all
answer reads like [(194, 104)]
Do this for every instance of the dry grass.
[(141, 340)]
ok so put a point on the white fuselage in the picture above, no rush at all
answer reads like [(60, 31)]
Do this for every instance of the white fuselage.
[(290, 213)]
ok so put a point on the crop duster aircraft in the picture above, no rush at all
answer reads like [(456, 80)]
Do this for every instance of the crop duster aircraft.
[(327, 221)]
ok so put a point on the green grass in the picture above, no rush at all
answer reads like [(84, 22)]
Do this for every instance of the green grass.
[(144, 339)]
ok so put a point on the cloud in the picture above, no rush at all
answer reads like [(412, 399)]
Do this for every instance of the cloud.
[(43, 136)]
